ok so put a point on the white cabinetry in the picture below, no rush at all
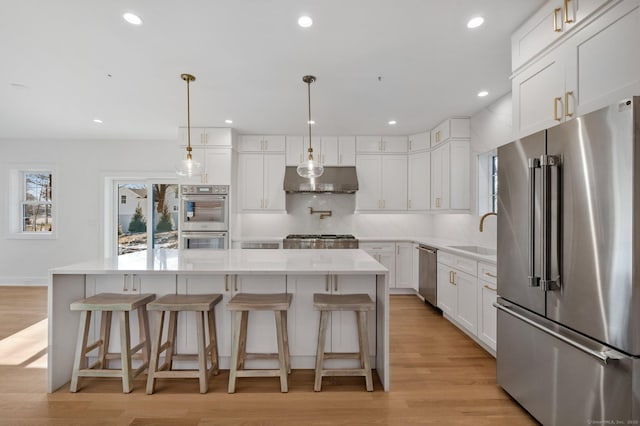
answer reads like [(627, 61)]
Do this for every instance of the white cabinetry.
[(255, 143), (398, 258), (419, 142), (298, 149), (388, 144), (590, 68), (303, 324), (385, 253), (382, 182), (338, 150), (206, 136), (211, 147), (404, 266), (419, 181), (450, 176), (261, 178), (453, 128), (487, 314)]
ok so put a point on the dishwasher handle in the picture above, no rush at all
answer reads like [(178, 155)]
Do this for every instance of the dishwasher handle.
[(428, 250)]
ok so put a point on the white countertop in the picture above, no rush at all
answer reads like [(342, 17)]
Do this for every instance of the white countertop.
[(233, 261)]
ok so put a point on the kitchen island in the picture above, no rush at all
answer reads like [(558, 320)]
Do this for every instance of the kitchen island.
[(165, 271)]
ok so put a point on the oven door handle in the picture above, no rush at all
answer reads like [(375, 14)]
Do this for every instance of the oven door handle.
[(204, 198), (204, 234)]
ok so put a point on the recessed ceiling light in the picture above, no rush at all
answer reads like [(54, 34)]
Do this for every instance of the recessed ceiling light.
[(18, 85), (392, 122), (311, 122), (228, 121), (132, 18), (483, 94), (305, 21), (475, 22), (97, 120)]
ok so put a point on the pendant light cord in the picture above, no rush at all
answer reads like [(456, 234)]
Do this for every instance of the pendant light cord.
[(188, 122), (309, 121)]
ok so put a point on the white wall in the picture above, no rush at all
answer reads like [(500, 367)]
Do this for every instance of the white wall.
[(81, 168)]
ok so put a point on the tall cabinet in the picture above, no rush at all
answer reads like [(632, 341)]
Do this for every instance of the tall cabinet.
[(450, 165), (261, 165)]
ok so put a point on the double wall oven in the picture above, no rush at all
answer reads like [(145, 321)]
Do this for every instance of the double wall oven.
[(204, 217)]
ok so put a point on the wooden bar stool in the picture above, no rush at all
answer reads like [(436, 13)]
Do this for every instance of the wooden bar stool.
[(241, 304), (360, 304), (203, 305), (107, 303)]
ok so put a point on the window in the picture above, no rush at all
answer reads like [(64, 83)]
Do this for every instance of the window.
[(33, 210), (488, 182), (493, 193), (123, 199)]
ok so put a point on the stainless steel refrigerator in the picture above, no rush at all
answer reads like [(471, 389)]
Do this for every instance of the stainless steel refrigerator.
[(568, 347)]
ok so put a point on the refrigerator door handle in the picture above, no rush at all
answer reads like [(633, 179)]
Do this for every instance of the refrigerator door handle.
[(546, 163), (603, 356), (533, 280)]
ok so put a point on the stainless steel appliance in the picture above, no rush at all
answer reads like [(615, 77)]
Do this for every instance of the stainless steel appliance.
[(204, 216), (320, 241), (568, 344), (339, 180), (428, 273)]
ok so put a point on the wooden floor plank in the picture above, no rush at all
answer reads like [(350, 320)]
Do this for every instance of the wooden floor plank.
[(438, 377)]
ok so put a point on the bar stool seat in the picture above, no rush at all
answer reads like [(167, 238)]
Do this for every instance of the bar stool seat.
[(360, 304), (203, 305), (107, 303), (243, 303)]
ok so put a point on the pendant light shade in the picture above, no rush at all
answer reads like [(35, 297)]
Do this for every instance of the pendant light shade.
[(310, 168), (188, 167)]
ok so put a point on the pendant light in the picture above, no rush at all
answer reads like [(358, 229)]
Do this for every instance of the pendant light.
[(310, 168), (188, 167)]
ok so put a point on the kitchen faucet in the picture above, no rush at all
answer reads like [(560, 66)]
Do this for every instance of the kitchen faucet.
[(323, 213), (484, 216)]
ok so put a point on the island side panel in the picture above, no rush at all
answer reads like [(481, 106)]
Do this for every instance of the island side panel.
[(382, 319), (63, 327)]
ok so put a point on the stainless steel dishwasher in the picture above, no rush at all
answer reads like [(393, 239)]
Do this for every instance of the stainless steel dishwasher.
[(428, 274)]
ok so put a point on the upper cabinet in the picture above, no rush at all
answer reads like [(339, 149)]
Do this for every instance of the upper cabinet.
[(381, 144), (593, 67), (382, 181), (453, 128), (419, 177), (419, 142), (328, 150), (555, 19), (450, 176), (260, 181), (254, 143), (297, 149), (206, 136)]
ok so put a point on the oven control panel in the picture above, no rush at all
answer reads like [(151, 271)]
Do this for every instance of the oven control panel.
[(204, 189)]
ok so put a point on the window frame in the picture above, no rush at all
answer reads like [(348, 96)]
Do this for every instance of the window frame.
[(487, 198), (17, 200)]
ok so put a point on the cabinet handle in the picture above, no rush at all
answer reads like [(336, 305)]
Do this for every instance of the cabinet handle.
[(450, 277), (409, 204), (235, 282), (409, 145), (326, 283), (454, 278), (556, 28), (206, 138), (133, 283), (566, 12), (384, 204), (124, 283), (490, 288), (266, 202), (566, 104), (489, 274), (335, 283), (438, 136), (340, 159), (555, 108), (226, 282)]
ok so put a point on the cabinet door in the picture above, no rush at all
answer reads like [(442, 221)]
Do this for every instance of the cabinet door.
[(344, 329), (369, 180), (603, 48), (330, 150), (199, 284), (447, 291), (368, 144), (388, 260), (273, 143), (404, 265), (294, 153), (250, 181), (467, 312), (274, 182), (419, 184), (440, 178), (347, 154), (459, 175), (304, 321), (415, 267), (216, 136), (217, 166), (538, 94), (197, 136), (250, 143), (487, 314), (394, 182), (419, 142), (394, 144), (440, 134)]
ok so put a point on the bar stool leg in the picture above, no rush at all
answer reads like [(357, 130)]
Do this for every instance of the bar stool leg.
[(286, 341), (125, 352), (243, 340), (202, 352), (144, 334), (213, 342), (322, 335), (105, 337), (171, 338), (233, 368), (81, 345), (155, 352), (363, 333), (281, 352)]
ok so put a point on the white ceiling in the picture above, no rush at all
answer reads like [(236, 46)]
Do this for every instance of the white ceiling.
[(79, 60)]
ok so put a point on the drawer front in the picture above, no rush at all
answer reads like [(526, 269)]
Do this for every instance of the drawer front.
[(377, 247), (487, 272), (460, 263)]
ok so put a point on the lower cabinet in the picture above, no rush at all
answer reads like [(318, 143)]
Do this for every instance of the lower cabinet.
[(398, 258), (466, 293)]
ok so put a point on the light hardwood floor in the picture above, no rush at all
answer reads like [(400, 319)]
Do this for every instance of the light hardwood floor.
[(438, 376)]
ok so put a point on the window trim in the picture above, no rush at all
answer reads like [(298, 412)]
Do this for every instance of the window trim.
[(16, 201), (485, 181)]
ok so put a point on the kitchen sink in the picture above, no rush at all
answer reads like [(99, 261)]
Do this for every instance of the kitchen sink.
[(477, 250)]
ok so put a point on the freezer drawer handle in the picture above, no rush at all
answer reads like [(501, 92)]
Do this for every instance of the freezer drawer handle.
[(603, 356)]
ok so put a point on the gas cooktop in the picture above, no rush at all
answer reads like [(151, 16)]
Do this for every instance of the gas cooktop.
[(320, 236), (320, 241)]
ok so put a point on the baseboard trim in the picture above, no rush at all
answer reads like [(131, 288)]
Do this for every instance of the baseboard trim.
[(24, 281)]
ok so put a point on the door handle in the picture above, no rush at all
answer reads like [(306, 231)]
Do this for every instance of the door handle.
[(533, 164), (556, 27), (488, 287), (555, 108), (566, 12), (546, 163), (566, 104)]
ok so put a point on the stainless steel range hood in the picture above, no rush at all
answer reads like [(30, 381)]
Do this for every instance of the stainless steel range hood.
[(339, 180)]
